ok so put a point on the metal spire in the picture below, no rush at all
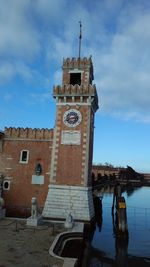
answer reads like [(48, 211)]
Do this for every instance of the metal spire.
[(80, 37)]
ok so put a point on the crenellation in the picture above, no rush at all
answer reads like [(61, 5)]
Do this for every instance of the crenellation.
[(77, 62), (28, 133), (23, 132), (48, 133), (74, 89), (14, 132), (69, 89), (31, 133), (39, 134)]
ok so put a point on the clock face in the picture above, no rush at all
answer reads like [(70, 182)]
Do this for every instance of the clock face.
[(72, 118)]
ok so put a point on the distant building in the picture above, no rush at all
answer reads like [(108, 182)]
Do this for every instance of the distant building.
[(106, 172), (101, 170)]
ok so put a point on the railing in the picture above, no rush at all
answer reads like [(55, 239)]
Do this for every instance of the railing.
[(138, 218)]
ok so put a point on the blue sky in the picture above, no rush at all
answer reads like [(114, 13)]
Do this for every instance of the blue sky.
[(35, 36)]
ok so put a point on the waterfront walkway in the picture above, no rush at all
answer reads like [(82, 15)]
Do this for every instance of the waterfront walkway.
[(25, 246)]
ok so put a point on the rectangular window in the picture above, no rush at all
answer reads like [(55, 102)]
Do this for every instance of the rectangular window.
[(75, 78), (24, 156)]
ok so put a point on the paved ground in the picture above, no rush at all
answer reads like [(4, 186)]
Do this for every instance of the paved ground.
[(24, 246)]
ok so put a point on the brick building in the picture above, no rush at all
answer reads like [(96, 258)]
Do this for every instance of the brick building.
[(55, 165), (23, 151), (104, 170)]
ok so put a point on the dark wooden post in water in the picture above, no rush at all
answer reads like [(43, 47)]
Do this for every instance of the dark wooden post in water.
[(116, 195), (121, 216)]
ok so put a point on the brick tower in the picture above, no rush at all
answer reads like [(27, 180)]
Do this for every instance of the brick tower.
[(70, 175)]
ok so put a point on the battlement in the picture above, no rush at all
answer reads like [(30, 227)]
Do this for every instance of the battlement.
[(28, 133), (74, 90), (77, 62), (77, 92)]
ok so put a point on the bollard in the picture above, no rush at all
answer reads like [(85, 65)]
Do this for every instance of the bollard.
[(122, 216), (116, 195)]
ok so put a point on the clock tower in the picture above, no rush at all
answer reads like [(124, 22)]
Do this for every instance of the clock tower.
[(70, 188)]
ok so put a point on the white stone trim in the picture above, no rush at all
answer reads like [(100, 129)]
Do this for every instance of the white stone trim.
[(83, 157), (57, 134), (76, 71), (28, 139), (37, 179), (69, 137), (71, 187), (63, 199), (87, 147), (4, 187), (27, 156), (54, 155)]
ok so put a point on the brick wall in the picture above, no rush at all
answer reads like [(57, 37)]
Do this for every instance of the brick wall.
[(38, 143)]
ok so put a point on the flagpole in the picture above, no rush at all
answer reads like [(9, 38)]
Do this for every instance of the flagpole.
[(80, 37)]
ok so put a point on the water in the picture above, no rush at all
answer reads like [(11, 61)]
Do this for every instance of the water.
[(108, 251)]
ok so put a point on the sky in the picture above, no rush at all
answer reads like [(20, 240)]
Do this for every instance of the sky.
[(35, 36)]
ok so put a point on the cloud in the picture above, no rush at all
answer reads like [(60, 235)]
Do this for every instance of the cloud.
[(19, 37), (118, 37), (37, 34), (19, 42), (122, 70), (9, 70), (6, 72), (50, 12), (24, 29)]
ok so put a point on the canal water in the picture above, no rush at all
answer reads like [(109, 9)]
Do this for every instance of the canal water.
[(106, 248)]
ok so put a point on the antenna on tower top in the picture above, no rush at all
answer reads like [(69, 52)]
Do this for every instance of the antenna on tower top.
[(80, 37)]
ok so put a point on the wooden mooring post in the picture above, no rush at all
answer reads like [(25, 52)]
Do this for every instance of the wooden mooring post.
[(121, 216)]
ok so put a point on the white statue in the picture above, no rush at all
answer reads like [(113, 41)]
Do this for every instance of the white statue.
[(34, 208), (69, 221)]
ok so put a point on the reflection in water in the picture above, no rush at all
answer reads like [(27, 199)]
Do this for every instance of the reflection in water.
[(130, 190), (98, 212), (106, 248), (121, 217), (121, 246)]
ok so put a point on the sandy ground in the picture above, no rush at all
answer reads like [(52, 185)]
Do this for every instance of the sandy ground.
[(21, 245)]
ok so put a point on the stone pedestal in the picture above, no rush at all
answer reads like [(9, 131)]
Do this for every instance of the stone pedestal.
[(2, 213), (34, 221), (63, 199)]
